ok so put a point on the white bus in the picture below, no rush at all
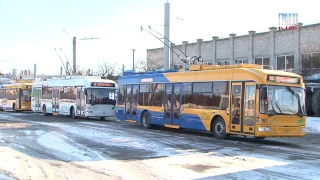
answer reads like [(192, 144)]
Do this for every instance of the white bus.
[(86, 96)]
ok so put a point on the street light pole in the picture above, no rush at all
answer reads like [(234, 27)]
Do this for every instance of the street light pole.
[(133, 58)]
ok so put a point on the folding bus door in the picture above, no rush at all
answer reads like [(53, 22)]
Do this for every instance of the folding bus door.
[(131, 103), (38, 95), (79, 98), (249, 113), (55, 99), (236, 107), (172, 104), (243, 107)]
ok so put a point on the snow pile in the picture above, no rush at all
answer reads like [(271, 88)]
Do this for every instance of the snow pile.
[(313, 124)]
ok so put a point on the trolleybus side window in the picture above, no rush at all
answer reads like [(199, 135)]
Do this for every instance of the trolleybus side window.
[(1, 93), (121, 95), (144, 95), (26, 95), (89, 96), (157, 95), (220, 95), (11, 94), (187, 95), (73, 93), (202, 95), (47, 93)]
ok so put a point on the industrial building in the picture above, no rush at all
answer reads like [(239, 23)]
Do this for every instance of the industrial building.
[(291, 50)]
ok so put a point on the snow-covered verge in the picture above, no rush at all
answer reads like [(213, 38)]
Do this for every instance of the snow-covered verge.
[(313, 124)]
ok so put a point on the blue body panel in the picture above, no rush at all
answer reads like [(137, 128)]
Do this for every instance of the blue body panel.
[(188, 121)]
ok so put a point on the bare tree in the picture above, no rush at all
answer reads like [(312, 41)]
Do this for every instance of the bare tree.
[(151, 64), (108, 70), (80, 71)]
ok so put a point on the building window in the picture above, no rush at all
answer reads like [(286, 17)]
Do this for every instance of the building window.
[(224, 62), (310, 64), (265, 62), (241, 61), (208, 63), (285, 63)]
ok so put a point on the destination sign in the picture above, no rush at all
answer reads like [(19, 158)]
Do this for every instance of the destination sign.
[(283, 79), (101, 84)]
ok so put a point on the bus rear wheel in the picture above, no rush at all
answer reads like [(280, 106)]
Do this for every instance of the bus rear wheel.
[(146, 120), (219, 128)]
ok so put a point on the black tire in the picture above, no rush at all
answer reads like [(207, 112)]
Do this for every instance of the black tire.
[(219, 128), (145, 119), (102, 118), (315, 103), (259, 137), (14, 107), (44, 111), (308, 103), (73, 113)]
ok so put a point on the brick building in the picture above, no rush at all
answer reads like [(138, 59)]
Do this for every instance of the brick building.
[(287, 50)]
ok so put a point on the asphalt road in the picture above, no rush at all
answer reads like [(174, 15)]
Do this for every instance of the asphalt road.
[(33, 146)]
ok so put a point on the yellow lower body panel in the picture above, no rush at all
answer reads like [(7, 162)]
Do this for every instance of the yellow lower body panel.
[(172, 126)]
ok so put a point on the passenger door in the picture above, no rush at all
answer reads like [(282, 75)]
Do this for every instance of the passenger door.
[(243, 107), (38, 99), (79, 98), (236, 107), (55, 99), (131, 103), (249, 115), (172, 104)]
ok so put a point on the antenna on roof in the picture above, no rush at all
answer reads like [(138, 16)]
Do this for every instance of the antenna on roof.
[(168, 40), (67, 61), (185, 59), (66, 70)]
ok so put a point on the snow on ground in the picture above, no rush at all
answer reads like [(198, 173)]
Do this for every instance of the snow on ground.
[(164, 161), (313, 124)]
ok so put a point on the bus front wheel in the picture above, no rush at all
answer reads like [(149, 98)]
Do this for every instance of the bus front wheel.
[(219, 128), (44, 111), (73, 113)]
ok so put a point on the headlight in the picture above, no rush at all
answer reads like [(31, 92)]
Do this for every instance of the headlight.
[(266, 129)]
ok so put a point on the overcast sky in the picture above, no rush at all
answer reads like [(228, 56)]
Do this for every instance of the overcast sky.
[(30, 30)]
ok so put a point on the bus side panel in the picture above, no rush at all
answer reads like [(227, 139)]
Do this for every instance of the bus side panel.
[(192, 121), (155, 113), (120, 112), (198, 119)]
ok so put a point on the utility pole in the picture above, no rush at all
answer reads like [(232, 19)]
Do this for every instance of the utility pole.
[(133, 58), (74, 55)]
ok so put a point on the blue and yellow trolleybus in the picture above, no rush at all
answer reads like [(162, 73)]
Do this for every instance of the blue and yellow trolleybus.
[(242, 99)]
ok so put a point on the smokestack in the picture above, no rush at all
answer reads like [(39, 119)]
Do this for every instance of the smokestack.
[(74, 56), (166, 35), (35, 72)]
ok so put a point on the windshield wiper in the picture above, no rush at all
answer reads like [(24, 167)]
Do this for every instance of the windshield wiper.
[(296, 112), (271, 112)]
